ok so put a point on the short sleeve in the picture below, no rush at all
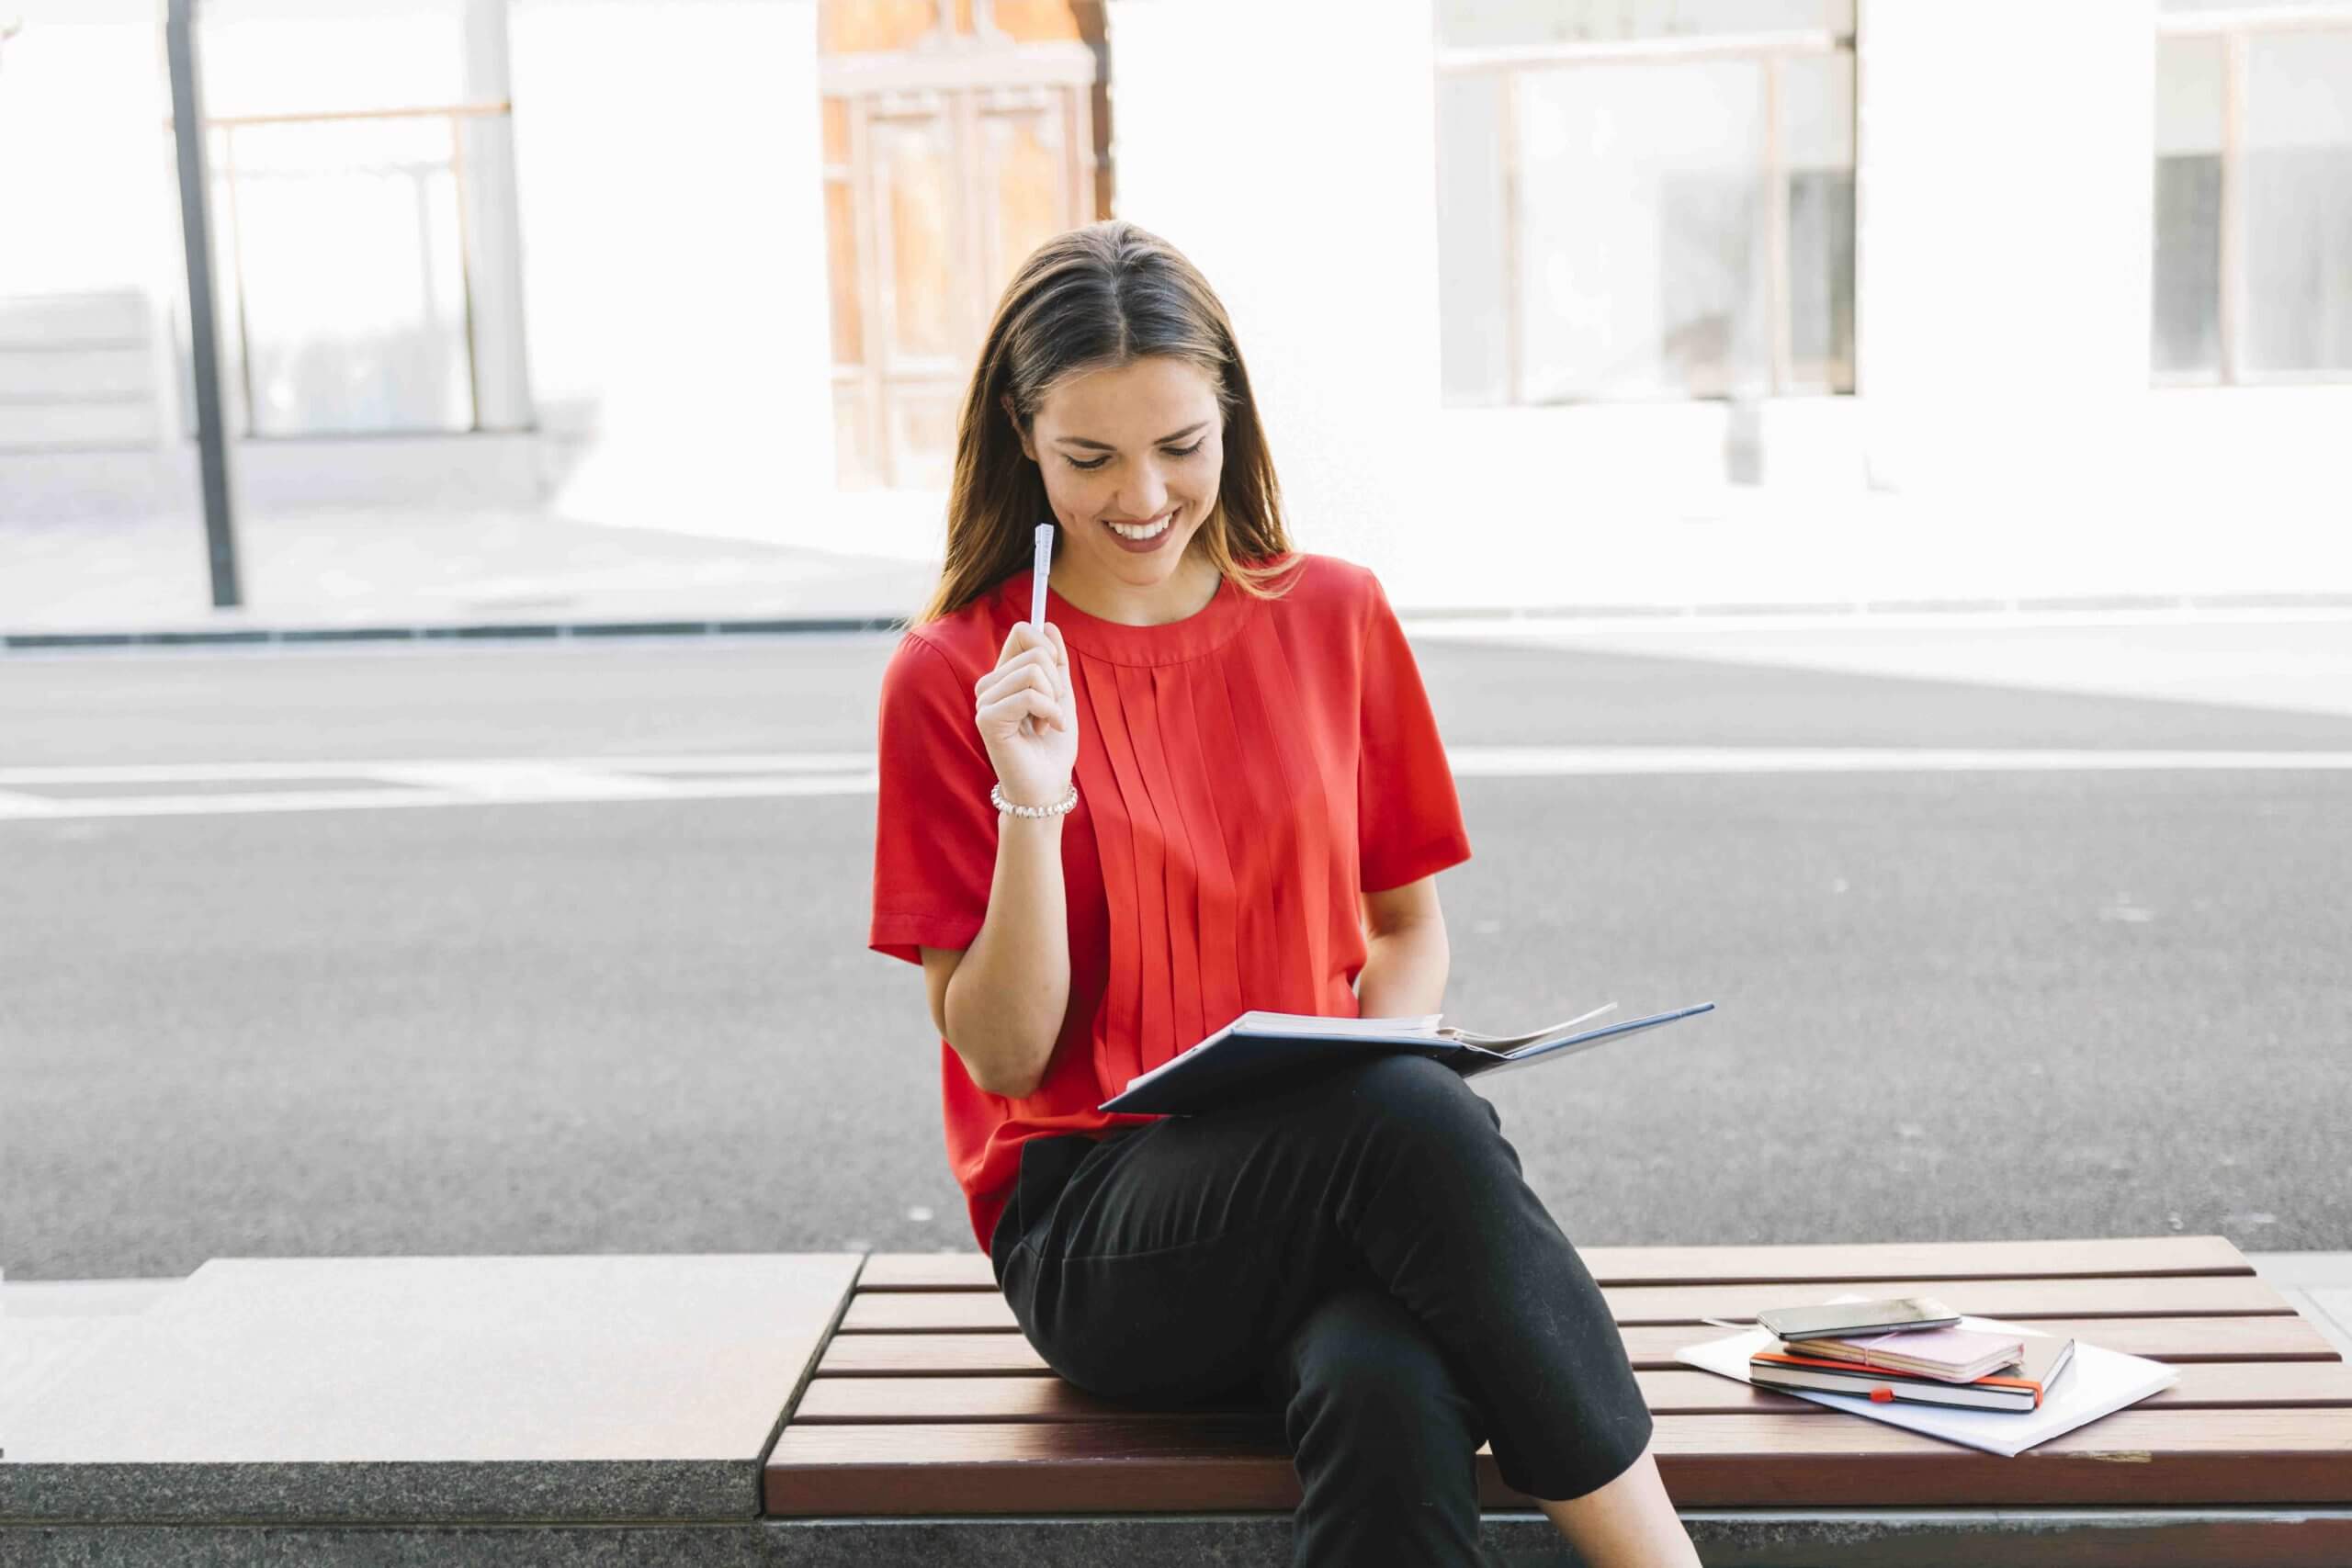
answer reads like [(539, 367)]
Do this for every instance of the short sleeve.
[(1409, 819), (934, 830)]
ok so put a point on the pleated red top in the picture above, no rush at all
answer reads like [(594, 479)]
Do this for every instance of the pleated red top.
[(1242, 774)]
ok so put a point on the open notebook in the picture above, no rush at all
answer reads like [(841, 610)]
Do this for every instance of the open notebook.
[(1262, 1052)]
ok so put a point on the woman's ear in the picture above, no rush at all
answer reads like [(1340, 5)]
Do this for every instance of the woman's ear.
[(1028, 451)]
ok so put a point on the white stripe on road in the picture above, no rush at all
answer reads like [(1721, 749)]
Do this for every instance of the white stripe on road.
[(239, 773), (1506, 762), (749, 776)]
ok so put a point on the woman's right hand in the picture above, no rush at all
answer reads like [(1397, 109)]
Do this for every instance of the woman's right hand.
[(1031, 681)]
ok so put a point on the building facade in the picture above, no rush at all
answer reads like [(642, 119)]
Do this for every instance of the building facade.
[(1536, 281)]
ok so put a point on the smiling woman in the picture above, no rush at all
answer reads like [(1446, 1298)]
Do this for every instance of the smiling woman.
[(1110, 391), (1223, 783), (1129, 502)]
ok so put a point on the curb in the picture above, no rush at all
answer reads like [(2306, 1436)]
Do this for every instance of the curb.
[(487, 631)]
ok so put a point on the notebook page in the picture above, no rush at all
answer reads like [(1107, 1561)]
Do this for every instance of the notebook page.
[(1309, 1024)]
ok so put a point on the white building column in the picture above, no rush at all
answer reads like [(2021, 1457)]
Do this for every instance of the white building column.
[(2005, 184), (493, 260)]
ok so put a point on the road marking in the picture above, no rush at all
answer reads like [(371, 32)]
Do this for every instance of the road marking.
[(412, 783), (1507, 761), (263, 772)]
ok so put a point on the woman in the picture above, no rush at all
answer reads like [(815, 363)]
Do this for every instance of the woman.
[(1212, 783)]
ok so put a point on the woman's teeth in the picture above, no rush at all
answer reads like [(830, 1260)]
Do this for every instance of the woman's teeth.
[(1141, 530)]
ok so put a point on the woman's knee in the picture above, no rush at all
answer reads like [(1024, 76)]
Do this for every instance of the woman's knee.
[(1417, 1096)]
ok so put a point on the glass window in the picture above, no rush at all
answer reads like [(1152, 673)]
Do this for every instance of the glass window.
[(1818, 135), (1473, 323), (339, 147), (2297, 202), (1653, 200), (2187, 309), (1643, 212), (2253, 242), (349, 274)]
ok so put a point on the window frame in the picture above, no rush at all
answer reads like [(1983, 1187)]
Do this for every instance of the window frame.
[(1770, 49), (2235, 28)]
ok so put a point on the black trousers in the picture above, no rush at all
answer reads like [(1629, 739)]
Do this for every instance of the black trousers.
[(1363, 1251)]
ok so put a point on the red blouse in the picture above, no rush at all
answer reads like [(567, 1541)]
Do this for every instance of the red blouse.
[(1242, 773)]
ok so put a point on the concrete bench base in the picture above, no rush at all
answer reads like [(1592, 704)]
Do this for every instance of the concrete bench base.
[(1894, 1538)]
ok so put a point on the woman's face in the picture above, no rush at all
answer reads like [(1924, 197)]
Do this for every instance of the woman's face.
[(1143, 445)]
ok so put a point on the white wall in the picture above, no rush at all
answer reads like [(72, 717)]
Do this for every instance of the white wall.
[(2004, 193), (668, 164), (85, 179), (89, 235)]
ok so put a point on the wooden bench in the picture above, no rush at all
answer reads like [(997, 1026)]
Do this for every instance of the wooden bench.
[(926, 1401)]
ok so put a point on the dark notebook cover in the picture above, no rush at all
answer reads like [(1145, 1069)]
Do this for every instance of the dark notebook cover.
[(1235, 1064)]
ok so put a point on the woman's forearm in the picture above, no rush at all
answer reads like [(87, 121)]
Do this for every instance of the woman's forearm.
[(1006, 999), (1404, 971)]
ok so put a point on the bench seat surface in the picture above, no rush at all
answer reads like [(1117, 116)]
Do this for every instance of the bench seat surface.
[(926, 1399)]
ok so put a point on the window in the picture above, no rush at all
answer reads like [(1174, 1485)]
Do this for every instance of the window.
[(1645, 198), (343, 253), (362, 229), (2253, 260)]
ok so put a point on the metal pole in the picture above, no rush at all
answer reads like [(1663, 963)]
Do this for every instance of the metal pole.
[(204, 336)]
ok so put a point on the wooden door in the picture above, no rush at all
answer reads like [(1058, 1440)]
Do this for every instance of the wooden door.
[(957, 136)]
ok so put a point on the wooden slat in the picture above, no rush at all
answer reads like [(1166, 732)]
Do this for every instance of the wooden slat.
[(2175, 1339), (2103, 1258), (2210, 1385), (2138, 1456), (1002, 1398), (927, 1355), (944, 1312), (926, 1272)]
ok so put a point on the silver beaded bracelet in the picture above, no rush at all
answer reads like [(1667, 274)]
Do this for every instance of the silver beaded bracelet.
[(1066, 803)]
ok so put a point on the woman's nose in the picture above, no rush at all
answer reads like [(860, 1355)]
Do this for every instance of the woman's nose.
[(1145, 496)]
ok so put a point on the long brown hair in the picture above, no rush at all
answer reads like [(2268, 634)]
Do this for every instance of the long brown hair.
[(1096, 299)]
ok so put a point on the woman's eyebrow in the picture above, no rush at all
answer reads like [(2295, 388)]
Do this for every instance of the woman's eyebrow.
[(1106, 447)]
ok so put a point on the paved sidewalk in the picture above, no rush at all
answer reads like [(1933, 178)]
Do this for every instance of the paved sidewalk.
[(2320, 1286), (1711, 550), (423, 568)]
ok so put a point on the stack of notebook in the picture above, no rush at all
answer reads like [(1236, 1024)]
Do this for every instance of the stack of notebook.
[(1911, 1377), (1929, 1366)]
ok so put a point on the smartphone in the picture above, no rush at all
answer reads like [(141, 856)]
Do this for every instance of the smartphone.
[(1838, 1319)]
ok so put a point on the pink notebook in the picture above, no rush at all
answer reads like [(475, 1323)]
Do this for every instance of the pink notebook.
[(1955, 1354)]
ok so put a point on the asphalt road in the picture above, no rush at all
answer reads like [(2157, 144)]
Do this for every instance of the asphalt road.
[(1952, 1005)]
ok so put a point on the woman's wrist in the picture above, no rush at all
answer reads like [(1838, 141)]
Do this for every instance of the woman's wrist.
[(1008, 805)]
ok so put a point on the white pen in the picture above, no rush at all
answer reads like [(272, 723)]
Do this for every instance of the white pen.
[(1037, 598), (1045, 565)]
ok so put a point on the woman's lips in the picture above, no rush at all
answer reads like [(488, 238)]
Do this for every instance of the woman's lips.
[(1143, 546)]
